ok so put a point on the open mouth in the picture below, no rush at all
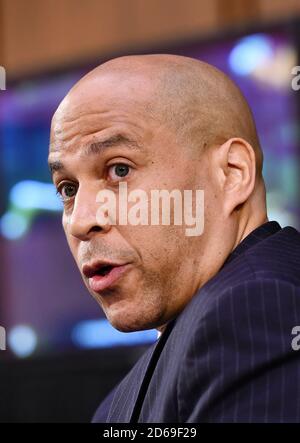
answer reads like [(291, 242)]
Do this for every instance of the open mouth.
[(98, 268), (104, 270), (103, 275)]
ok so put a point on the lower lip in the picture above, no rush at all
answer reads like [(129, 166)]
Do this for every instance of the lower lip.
[(100, 282)]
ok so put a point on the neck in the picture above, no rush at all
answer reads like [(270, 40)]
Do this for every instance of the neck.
[(249, 225)]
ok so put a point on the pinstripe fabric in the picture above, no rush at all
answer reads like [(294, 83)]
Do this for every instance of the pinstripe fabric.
[(227, 357)]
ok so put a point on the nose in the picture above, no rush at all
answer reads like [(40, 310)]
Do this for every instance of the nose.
[(82, 223)]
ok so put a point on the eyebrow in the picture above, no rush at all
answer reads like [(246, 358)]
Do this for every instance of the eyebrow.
[(98, 147)]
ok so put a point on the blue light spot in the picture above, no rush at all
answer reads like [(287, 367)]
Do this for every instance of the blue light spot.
[(250, 53), (34, 195), (13, 225), (22, 340), (100, 334)]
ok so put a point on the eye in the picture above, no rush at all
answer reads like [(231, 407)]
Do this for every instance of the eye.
[(119, 170), (67, 191)]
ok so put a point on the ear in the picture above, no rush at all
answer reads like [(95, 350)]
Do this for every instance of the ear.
[(236, 172)]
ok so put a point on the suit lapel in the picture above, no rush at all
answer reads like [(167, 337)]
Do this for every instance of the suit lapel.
[(127, 391), (149, 372), (130, 393)]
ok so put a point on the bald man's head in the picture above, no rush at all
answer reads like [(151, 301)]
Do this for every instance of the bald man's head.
[(199, 102), (155, 123)]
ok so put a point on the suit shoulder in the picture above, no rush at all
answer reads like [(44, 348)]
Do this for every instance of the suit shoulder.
[(269, 267), (240, 339), (277, 257), (101, 414)]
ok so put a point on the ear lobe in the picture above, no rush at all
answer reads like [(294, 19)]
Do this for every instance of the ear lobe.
[(239, 169)]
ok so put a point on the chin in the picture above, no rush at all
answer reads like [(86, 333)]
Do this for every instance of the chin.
[(131, 322), (126, 325), (130, 312)]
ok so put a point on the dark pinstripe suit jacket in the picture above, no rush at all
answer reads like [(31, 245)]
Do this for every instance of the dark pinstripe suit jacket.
[(228, 356)]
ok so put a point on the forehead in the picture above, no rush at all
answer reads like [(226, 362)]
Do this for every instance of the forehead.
[(101, 114), (89, 127), (102, 107), (85, 133), (113, 91)]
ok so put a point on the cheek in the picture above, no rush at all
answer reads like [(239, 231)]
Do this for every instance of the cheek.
[(73, 247), (73, 244), (66, 225), (160, 247), (65, 222)]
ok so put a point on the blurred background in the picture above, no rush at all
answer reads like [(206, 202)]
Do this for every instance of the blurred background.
[(62, 356)]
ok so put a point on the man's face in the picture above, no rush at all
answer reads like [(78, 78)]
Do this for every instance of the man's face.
[(142, 276)]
